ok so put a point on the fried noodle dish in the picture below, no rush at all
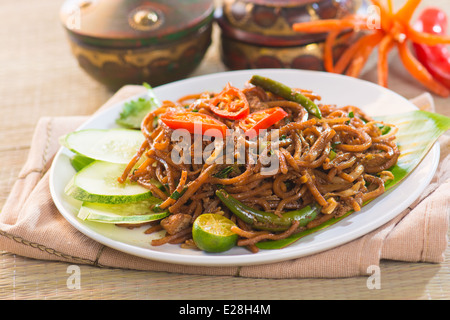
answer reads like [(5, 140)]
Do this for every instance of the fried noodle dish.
[(329, 158)]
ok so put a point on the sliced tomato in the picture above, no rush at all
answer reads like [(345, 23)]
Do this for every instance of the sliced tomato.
[(231, 104), (261, 120), (194, 122)]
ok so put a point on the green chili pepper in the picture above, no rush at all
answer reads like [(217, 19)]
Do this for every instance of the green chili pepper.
[(286, 93), (266, 220)]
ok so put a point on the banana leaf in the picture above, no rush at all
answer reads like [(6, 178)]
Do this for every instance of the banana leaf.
[(417, 132)]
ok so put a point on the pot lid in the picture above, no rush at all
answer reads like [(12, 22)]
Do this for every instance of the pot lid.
[(134, 22)]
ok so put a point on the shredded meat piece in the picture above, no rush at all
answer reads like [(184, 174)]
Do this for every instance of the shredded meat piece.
[(256, 98), (176, 222)]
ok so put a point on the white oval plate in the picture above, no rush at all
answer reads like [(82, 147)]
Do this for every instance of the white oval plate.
[(334, 89)]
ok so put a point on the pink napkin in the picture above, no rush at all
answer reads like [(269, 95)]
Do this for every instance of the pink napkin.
[(31, 226)]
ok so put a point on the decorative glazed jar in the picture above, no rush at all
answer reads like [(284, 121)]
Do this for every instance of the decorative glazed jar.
[(120, 42), (259, 34)]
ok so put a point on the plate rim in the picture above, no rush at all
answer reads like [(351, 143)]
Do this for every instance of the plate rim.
[(215, 260)]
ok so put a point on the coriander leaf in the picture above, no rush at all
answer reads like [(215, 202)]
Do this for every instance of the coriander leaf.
[(134, 111)]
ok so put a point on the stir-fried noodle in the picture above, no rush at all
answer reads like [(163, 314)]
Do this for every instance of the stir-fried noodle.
[(338, 161)]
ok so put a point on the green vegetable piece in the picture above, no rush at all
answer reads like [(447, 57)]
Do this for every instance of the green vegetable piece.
[(224, 172), (286, 93), (332, 154), (385, 130), (266, 220), (79, 161), (116, 145), (134, 111), (177, 195), (129, 213), (98, 183)]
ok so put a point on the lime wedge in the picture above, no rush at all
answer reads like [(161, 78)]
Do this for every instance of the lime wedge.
[(212, 233)]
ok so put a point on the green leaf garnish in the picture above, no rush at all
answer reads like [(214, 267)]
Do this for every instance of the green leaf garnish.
[(134, 111)]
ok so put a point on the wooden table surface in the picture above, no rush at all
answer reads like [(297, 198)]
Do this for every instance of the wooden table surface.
[(39, 77)]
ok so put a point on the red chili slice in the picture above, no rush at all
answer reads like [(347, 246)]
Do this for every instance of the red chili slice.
[(231, 104), (260, 120), (436, 59), (192, 120)]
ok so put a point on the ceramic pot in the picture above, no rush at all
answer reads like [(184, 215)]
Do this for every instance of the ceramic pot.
[(120, 42)]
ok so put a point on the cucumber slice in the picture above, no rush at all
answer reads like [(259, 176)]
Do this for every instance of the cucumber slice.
[(98, 183), (129, 213), (111, 145), (79, 162)]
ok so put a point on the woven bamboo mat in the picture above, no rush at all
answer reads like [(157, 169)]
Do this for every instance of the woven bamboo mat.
[(39, 77), (22, 278)]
